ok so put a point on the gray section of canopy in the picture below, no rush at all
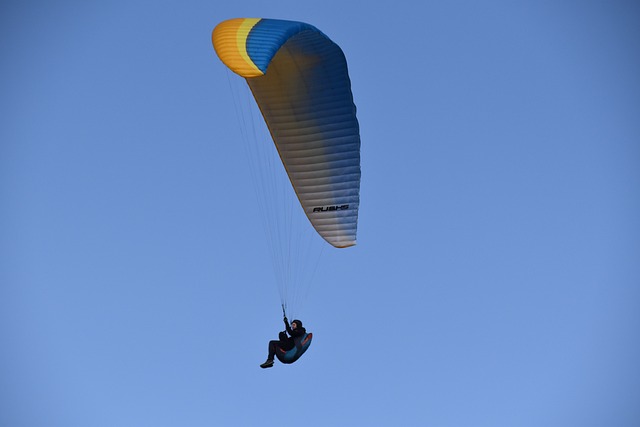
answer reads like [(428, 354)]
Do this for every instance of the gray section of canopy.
[(305, 98)]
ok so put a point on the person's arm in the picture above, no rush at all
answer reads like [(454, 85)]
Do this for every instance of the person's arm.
[(286, 324)]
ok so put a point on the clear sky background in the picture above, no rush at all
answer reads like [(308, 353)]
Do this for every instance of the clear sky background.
[(496, 280)]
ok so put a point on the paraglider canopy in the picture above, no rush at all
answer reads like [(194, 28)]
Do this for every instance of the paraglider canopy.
[(299, 80)]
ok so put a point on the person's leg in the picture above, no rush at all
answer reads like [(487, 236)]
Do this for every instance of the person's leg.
[(273, 347)]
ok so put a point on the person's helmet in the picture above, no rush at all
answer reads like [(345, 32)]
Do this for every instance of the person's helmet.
[(298, 323)]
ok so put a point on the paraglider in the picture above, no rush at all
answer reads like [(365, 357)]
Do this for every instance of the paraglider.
[(289, 348), (299, 80)]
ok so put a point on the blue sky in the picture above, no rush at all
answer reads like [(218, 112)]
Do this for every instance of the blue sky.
[(496, 280)]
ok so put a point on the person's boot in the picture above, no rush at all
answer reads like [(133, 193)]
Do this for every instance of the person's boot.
[(267, 364)]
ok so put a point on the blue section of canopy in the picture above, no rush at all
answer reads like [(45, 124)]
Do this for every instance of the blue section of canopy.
[(268, 35)]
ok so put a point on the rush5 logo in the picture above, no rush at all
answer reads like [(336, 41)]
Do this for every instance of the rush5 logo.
[(331, 208)]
